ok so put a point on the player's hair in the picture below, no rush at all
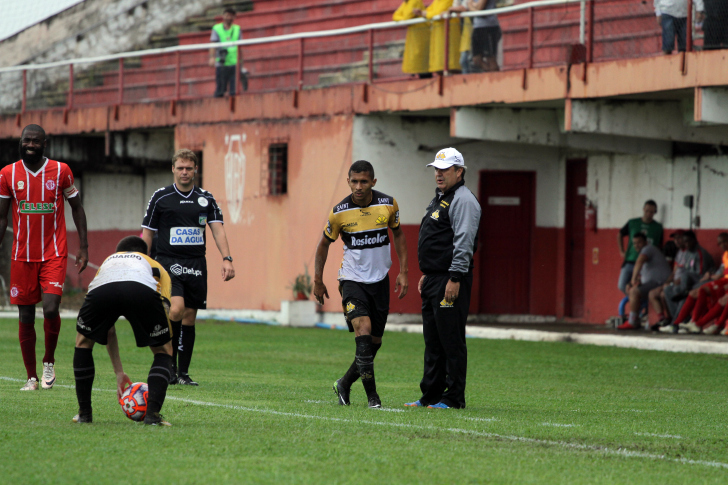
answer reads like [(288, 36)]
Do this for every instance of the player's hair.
[(228, 10), (35, 129), (640, 235), (186, 154), (133, 244), (652, 203), (361, 166)]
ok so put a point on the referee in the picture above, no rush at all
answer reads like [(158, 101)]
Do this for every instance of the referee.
[(447, 241), (178, 214)]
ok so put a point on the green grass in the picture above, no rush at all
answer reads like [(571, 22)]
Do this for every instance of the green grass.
[(265, 413)]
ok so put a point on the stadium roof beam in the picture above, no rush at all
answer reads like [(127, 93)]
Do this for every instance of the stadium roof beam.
[(543, 127), (657, 120)]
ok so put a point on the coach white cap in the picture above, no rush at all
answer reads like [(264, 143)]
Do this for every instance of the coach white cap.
[(446, 158)]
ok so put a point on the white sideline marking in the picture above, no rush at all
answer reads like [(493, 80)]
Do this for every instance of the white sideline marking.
[(560, 425), (481, 419), (676, 436), (519, 439), (314, 401)]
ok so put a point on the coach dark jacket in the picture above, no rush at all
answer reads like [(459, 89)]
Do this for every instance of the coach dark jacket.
[(449, 232)]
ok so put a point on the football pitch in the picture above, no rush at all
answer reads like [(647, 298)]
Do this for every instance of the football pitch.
[(265, 413)]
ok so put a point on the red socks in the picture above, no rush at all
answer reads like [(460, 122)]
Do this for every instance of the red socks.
[(26, 335), (52, 328)]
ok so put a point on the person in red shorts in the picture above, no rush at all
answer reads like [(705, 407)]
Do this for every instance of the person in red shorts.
[(37, 188)]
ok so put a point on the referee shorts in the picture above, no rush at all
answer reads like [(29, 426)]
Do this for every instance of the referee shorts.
[(146, 310), (189, 279), (366, 300)]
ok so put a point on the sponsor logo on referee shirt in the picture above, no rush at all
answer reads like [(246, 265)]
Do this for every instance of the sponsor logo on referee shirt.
[(350, 307), (36, 207), (178, 270), (186, 236), (202, 219), (446, 304)]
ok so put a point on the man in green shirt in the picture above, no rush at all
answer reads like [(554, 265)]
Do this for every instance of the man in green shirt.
[(225, 59), (645, 225)]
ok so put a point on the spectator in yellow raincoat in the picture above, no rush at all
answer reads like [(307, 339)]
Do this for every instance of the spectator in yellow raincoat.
[(417, 42), (437, 38), (466, 31)]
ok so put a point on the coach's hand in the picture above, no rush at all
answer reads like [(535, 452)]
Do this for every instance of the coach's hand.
[(228, 272), (419, 285), (402, 284), (451, 291), (122, 381), (82, 259), (319, 290)]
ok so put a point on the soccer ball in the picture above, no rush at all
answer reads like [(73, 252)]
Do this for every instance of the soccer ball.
[(134, 401)]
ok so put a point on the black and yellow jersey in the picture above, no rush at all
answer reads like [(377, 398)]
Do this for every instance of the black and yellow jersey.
[(367, 256), (131, 266)]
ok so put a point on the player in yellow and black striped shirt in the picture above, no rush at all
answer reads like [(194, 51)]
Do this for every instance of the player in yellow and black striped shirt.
[(363, 221)]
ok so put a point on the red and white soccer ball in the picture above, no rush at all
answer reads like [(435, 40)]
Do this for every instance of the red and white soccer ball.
[(134, 401)]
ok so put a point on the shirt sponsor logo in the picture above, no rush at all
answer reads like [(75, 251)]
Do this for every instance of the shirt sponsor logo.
[(446, 304), (21, 184), (383, 201), (159, 330), (396, 217), (202, 219), (186, 202), (125, 256), (56, 284), (79, 324), (36, 207), (350, 224), (363, 213), (436, 215), (341, 207), (202, 201), (186, 236), (51, 184), (364, 240), (328, 227), (381, 220), (178, 270)]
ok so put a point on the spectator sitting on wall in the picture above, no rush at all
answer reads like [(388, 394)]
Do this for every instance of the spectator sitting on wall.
[(486, 35), (225, 59), (650, 271), (417, 42), (437, 38), (715, 25), (706, 296), (466, 32), (645, 225), (693, 265), (672, 17)]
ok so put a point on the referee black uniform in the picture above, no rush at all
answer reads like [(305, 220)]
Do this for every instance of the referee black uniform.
[(447, 242)]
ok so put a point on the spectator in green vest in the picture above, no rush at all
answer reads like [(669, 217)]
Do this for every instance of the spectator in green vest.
[(644, 225), (225, 59)]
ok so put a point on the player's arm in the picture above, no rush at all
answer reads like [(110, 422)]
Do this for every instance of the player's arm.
[(4, 206), (322, 253), (218, 234), (79, 219), (112, 346), (400, 247), (637, 268), (148, 237)]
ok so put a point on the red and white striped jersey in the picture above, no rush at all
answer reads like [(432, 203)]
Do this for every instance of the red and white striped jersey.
[(39, 224)]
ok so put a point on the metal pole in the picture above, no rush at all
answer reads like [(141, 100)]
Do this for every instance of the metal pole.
[(25, 91), (300, 64), (69, 102), (177, 74), (371, 55), (582, 22), (590, 33), (689, 33), (121, 81), (530, 37), (445, 70), (238, 86)]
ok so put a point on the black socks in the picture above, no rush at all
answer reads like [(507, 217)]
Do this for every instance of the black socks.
[(352, 374), (365, 363), (84, 371), (186, 345), (176, 331), (158, 380)]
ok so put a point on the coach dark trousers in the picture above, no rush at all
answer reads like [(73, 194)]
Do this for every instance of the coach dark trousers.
[(446, 355)]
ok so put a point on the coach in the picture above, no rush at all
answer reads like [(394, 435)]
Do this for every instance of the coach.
[(447, 241)]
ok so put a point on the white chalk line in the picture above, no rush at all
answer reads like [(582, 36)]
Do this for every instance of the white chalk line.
[(480, 419), (558, 425), (675, 436), (518, 439)]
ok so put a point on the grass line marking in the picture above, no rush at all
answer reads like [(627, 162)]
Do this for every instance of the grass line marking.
[(675, 436), (516, 439)]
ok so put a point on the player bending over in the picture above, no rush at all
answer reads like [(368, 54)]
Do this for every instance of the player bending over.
[(362, 220), (130, 284)]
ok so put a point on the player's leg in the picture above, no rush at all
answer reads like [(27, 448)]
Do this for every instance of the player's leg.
[(176, 313), (52, 276), (25, 292), (635, 299), (159, 376), (84, 372), (365, 356), (186, 346), (195, 298)]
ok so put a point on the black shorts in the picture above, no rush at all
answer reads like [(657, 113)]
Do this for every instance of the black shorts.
[(366, 300), (145, 309), (189, 279), (485, 41)]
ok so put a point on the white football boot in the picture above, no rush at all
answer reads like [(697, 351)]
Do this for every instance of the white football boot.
[(49, 375), (31, 385)]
